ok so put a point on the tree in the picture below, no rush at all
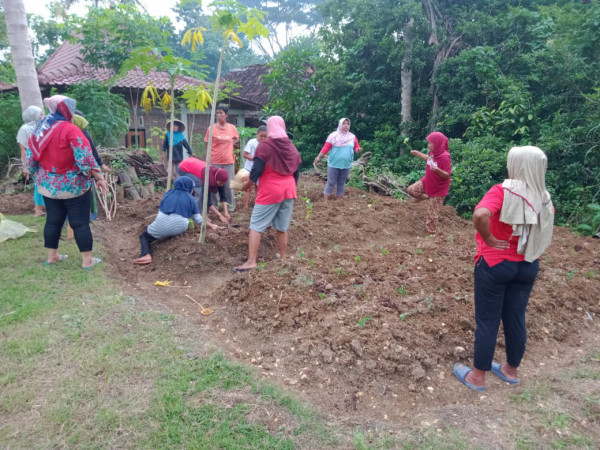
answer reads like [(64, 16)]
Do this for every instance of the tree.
[(231, 19), (20, 48), (293, 16)]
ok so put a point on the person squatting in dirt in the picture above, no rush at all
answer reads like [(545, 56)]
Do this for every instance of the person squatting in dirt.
[(195, 169), (436, 182), (514, 223), (275, 172), (341, 145), (175, 210)]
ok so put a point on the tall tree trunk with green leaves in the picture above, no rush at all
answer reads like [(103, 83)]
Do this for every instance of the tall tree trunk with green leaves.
[(22, 56)]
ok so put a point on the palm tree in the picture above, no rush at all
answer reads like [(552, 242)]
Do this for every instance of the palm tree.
[(22, 56)]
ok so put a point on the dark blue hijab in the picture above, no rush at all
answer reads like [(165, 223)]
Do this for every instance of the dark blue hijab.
[(179, 200)]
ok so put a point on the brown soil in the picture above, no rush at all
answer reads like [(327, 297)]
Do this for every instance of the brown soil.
[(368, 315)]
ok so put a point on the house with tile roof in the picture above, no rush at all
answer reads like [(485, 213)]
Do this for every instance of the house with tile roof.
[(65, 67)]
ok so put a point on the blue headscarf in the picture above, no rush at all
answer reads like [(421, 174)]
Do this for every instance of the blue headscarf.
[(177, 137), (179, 200)]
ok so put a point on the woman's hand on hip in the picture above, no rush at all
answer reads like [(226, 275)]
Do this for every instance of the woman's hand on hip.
[(491, 241)]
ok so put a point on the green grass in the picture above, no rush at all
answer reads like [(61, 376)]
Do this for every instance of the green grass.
[(84, 365)]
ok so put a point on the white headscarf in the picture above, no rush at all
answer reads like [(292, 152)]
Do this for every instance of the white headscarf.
[(30, 116), (527, 204), (341, 138)]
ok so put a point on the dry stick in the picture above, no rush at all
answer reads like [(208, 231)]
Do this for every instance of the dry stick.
[(195, 301), (204, 311)]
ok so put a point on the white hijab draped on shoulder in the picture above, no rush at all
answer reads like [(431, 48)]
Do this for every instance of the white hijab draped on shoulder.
[(527, 204)]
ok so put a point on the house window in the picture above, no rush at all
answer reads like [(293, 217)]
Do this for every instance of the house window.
[(140, 121), (136, 138)]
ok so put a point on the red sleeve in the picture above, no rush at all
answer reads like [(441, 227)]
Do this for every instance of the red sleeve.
[(356, 144), (445, 164), (206, 135), (493, 200), (326, 148)]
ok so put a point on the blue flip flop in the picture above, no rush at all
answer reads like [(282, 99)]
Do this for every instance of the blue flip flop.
[(96, 262), (60, 258), (496, 371), (461, 371)]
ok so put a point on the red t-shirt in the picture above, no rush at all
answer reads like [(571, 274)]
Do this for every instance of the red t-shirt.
[(222, 143), (194, 166), (493, 201), (274, 187), (433, 184)]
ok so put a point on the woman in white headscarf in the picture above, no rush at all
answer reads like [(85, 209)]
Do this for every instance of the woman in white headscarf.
[(30, 117), (341, 146), (514, 223)]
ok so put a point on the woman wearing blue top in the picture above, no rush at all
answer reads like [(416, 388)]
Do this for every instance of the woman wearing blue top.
[(341, 146), (175, 210), (179, 143)]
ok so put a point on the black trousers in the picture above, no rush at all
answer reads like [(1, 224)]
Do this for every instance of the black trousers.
[(77, 209), (146, 239), (501, 294)]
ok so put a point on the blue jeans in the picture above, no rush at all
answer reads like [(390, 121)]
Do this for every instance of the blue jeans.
[(502, 293), (336, 178)]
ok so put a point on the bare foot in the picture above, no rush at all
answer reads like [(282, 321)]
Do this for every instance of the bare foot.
[(143, 260), (246, 267)]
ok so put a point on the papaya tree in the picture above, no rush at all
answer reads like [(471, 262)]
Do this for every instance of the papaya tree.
[(232, 20), (162, 59)]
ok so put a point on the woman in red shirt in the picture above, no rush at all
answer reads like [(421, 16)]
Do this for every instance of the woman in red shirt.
[(436, 182), (514, 222), (276, 165)]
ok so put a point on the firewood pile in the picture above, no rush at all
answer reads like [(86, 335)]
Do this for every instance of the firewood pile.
[(383, 183)]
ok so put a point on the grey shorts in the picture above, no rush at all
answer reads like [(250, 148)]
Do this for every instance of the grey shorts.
[(277, 214)]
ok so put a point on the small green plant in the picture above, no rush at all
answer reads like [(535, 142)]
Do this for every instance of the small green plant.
[(312, 263), (336, 248), (419, 250), (362, 322), (401, 290), (307, 279), (300, 252), (340, 272), (322, 295), (570, 274), (144, 180), (261, 265), (591, 274), (384, 251), (403, 316), (357, 258), (192, 224), (429, 303)]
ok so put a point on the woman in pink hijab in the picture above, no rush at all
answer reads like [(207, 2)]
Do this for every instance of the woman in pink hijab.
[(436, 182), (276, 165)]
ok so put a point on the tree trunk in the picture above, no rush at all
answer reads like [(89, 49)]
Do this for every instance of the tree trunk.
[(22, 56), (170, 163), (406, 76), (213, 113)]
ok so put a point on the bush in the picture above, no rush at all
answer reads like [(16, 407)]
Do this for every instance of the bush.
[(106, 112), (12, 120)]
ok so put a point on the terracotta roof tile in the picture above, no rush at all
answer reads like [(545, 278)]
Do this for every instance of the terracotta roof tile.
[(250, 79), (66, 67)]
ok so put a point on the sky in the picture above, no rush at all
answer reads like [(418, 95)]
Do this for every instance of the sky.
[(154, 7)]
